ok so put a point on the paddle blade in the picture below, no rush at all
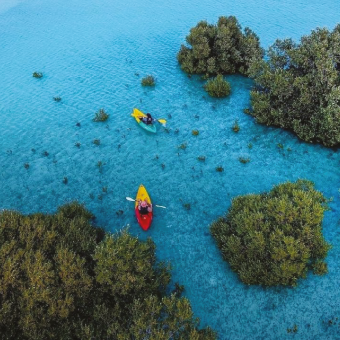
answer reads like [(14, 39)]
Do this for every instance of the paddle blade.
[(160, 206), (162, 121), (130, 199)]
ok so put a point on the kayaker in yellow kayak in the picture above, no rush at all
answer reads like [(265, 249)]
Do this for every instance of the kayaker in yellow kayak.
[(148, 120)]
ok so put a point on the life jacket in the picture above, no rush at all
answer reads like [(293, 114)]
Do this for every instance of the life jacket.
[(143, 210)]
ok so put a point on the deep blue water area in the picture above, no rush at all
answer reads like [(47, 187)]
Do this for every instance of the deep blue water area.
[(93, 55)]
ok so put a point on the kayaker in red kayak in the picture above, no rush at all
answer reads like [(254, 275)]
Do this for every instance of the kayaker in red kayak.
[(144, 207)]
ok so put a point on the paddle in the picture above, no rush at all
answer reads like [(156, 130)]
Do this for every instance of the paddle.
[(162, 121), (132, 200)]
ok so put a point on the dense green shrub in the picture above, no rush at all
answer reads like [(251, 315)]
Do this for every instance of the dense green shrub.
[(298, 87), (148, 81), (218, 87), (101, 116), (274, 238), (219, 49), (61, 278)]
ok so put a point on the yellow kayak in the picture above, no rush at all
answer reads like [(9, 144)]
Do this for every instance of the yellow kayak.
[(137, 114)]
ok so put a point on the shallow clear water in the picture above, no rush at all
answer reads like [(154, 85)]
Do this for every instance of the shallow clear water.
[(93, 54)]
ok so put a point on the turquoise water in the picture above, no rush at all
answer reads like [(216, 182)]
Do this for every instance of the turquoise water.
[(93, 55)]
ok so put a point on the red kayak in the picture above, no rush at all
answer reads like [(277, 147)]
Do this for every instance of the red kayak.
[(144, 220)]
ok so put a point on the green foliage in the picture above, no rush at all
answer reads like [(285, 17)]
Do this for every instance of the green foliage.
[(182, 146), (218, 87), (201, 158), (274, 238), (187, 206), (62, 278), (331, 322), (96, 142), (195, 132), (101, 116), (219, 49), (100, 165), (37, 75), (293, 330), (244, 160), (219, 169), (148, 81), (236, 127), (298, 87)]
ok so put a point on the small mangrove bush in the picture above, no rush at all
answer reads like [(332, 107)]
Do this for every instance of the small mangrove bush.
[(236, 127), (62, 278), (148, 81), (297, 87), (101, 116), (218, 87), (244, 160), (274, 238), (37, 75), (219, 49)]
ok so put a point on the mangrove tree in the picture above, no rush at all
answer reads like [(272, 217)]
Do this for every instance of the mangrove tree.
[(219, 49), (274, 238), (297, 87), (62, 278)]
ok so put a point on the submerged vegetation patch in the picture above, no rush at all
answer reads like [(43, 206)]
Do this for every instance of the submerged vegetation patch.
[(37, 75), (244, 160), (148, 81), (236, 126), (182, 146), (101, 116), (274, 238)]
